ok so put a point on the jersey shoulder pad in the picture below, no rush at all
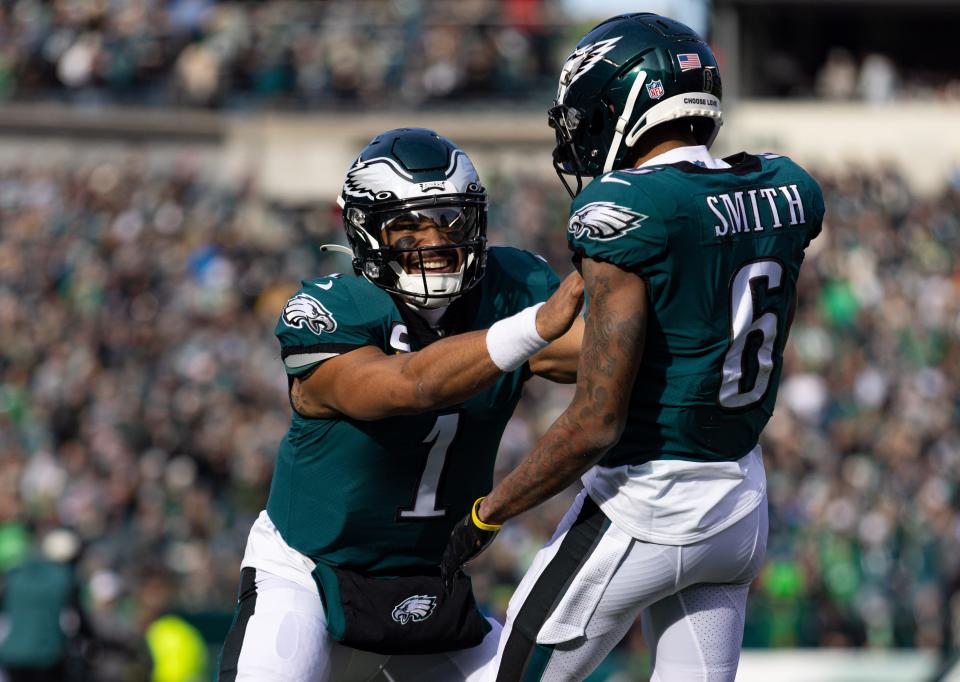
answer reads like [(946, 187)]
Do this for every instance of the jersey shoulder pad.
[(521, 267), (614, 219), (522, 272), (785, 167), (329, 316), (790, 172), (780, 163)]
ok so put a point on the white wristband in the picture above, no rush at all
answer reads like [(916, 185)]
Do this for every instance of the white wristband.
[(512, 340)]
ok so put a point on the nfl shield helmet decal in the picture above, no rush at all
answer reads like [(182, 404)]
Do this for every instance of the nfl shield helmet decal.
[(655, 89)]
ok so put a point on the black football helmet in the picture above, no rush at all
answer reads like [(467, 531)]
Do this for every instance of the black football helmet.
[(401, 178), (631, 73)]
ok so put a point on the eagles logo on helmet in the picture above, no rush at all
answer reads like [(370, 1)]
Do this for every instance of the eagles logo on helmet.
[(402, 180)]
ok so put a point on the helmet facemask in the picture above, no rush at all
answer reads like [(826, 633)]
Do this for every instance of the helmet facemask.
[(429, 252), (415, 215), (565, 120), (580, 135)]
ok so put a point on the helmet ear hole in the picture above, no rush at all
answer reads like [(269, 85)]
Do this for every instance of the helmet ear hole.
[(596, 121), (601, 115)]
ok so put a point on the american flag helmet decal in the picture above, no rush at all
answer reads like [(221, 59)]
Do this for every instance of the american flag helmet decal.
[(688, 61)]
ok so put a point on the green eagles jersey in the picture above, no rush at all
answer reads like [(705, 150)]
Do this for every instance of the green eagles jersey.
[(382, 496), (720, 251)]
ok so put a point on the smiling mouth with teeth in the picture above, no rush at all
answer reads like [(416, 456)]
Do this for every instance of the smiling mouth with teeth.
[(434, 262)]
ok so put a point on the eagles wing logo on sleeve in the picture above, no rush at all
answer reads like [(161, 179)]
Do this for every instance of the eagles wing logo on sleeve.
[(582, 60), (603, 221), (305, 311), (414, 609)]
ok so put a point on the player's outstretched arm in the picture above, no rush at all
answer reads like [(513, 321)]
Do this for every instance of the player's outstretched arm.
[(558, 362), (368, 384), (612, 348)]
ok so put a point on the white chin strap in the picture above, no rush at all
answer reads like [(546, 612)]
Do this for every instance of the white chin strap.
[(621, 127), (442, 287)]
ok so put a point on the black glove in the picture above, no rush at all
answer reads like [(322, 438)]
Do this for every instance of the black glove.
[(469, 537)]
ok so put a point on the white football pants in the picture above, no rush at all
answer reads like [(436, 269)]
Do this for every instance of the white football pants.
[(279, 634), (589, 584)]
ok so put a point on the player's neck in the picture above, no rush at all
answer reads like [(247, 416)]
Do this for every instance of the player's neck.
[(662, 148), (664, 138), (431, 315)]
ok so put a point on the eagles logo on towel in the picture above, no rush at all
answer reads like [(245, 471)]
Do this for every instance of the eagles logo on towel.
[(306, 311), (603, 221), (414, 609)]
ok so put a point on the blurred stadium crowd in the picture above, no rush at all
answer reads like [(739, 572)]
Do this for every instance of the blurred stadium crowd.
[(244, 55), (142, 399), (142, 396), (247, 54)]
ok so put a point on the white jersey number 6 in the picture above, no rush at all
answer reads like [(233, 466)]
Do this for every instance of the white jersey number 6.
[(733, 393)]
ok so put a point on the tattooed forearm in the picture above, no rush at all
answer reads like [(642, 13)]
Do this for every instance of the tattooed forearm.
[(597, 356), (609, 359)]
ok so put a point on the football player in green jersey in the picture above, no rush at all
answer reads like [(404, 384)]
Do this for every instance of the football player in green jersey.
[(401, 382), (690, 265)]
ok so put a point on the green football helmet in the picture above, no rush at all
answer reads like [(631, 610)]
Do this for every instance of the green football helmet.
[(402, 178), (627, 75)]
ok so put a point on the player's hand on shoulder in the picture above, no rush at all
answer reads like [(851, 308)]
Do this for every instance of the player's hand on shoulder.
[(468, 539), (561, 309)]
